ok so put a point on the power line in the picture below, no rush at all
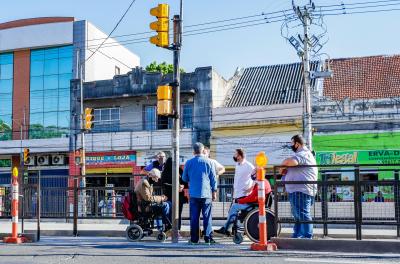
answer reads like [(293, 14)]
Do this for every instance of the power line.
[(359, 3), (112, 31)]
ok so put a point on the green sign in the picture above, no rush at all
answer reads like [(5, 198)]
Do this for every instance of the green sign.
[(359, 157), (5, 163)]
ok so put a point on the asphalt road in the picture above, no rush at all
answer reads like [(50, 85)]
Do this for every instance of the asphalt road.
[(97, 250)]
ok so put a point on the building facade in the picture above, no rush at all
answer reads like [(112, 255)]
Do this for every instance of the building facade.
[(38, 59), (128, 132), (357, 120), (262, 111)]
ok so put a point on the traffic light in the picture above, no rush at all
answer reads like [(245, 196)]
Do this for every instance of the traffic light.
[(164, 100), (161, 25), (89, 118), (26, 155)]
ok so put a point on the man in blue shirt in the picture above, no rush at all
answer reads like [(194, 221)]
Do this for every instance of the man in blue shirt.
[(200, 174)]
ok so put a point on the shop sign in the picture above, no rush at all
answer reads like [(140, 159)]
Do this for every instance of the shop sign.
[(359, 157), (5, 163), (114, 159)]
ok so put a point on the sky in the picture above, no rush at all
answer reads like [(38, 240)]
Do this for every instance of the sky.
[(348, 35)]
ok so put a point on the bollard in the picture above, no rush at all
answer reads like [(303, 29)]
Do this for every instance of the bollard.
[(113, 205), (262, 245), (14, 211)]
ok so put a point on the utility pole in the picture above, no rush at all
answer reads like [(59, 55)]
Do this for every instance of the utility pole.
[(304, 15), (176, 128), (83, 150)]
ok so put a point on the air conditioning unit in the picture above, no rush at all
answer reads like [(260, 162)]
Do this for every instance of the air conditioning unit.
[(30, 161), (42, 160), (57, 159)]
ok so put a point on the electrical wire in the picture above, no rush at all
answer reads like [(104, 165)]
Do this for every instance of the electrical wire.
[(112, 31)]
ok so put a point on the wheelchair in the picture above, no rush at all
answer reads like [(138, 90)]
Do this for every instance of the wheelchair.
[(143, 224), (249, 218)]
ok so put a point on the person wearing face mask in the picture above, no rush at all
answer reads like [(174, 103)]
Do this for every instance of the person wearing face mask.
[(157, 164), (144, 193), (199, 173), (301, 196), (242, 183)]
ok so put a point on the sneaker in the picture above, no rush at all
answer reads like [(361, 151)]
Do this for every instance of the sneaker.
[(210, 241), (223, 231), (190, 242)]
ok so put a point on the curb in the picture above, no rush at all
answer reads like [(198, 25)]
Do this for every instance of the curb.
[(338, 245), (186, 233)]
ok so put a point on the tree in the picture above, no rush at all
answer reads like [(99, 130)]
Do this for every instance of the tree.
[(5, 131), (163, 67)]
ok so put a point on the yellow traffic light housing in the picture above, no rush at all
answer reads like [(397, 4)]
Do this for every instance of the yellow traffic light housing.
[(89, 118), (164, 100), (161, 25), (26, 155)]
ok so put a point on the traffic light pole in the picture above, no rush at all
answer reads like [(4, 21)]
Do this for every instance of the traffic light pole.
[(176, 128)]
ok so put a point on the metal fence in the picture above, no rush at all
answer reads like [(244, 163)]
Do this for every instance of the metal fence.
[(349, 199), (344, 196), (90, 202)]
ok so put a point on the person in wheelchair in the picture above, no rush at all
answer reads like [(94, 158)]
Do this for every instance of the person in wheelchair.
[(243, 203), (145, 196)]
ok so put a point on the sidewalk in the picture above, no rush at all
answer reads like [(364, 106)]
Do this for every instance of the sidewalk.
[(116, 228)]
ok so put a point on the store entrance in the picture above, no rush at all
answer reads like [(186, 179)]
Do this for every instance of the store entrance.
[(102, 180)]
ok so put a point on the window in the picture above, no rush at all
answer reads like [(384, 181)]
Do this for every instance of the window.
[(117, 70), (164, 122), (6, 95), (187, 116), (107, 119), (152, 121), (51, 72), (150, 117)]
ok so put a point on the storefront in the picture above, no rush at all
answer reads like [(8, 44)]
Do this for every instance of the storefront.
[(112, 164), (363, 149)]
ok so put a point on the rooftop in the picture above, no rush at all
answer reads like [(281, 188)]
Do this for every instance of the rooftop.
[(269, 85), (364, 78)]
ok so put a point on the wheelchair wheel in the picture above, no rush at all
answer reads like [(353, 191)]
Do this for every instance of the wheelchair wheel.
[(161, 237), (134, 233), (251, 225), (238, 238)]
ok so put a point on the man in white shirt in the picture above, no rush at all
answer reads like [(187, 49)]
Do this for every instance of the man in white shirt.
[(243, 183), (219, 168)]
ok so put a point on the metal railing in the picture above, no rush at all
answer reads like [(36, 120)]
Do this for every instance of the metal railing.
[(352, 202), (356, 201), (92, 201)]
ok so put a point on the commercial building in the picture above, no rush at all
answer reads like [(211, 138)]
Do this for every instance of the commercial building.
[(357, 118), (38, 59)]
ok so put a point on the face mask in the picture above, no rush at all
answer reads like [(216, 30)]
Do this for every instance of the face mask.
[(150, 180), (294, 148), (235, 159)]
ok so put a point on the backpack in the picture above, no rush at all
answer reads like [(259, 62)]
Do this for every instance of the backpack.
[(129, 205)]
